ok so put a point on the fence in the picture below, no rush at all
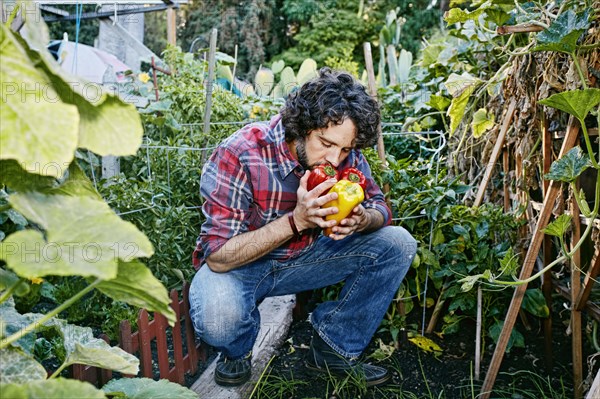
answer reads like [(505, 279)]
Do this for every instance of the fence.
[(140, 343)]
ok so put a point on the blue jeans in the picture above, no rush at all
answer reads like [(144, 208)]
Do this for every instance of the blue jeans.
[(224, 306)]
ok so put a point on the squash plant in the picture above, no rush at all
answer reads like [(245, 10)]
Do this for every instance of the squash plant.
[(562, 36), (54, 223)]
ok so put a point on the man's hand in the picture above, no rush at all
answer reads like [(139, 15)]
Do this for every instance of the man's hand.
[(358, 220), (308, 213)]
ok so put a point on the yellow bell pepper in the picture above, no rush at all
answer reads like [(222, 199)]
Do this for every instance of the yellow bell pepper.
[(349, 196)]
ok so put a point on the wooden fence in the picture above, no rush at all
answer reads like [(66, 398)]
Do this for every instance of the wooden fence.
[(171, 366)]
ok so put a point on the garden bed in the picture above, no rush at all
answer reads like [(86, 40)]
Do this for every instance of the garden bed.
[(420, 374)]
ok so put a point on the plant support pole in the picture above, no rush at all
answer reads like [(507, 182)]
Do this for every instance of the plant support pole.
[(210, 81), (478, 334), (528, 263), (495, 153)]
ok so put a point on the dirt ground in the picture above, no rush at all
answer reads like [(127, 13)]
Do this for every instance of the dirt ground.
[(420, 374)]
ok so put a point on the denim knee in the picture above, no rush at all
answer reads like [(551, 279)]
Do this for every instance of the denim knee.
[(217, 309), (400, 242)]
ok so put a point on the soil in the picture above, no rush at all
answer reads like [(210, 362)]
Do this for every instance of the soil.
[(419, 374)]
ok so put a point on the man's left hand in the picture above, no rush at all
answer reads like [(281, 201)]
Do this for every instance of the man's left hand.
[(358, 221)]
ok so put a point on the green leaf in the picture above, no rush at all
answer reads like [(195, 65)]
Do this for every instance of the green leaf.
[(516, 339), (457, 108), (468, 282), (578, 103), (145, 388), (12, 321), (508, 264), (83, 237), (457, 84), (136, 285), (76, 184), (17, 367), (17, 179), (562, 35), (112, 128), (535, 303), (82, 348), (570, 166), (107, 125), (559, 226), (482, 122), (37, 129), (456, 15), (439, 103), (59, 388), (460, 87), (8, 279)]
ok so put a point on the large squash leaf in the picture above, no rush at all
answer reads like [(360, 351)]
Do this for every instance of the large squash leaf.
[(136, 285), (107, 125), (37, 127), (570, 166), (18, 367), (83, 348), (83, 237), (145, 388), (59, 388), (562, 35), (578, 103)]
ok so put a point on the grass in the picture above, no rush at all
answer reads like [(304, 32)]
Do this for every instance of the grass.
[(519, 385)]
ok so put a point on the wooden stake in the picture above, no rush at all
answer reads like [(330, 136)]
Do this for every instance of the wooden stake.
[(547, 246), (528, 263), (506, 183), (210, 80), (171, 26), (478, 334), (373, 92), (495, 153), (523, 28), (576, 314)]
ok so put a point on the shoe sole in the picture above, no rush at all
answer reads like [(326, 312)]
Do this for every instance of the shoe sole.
[(231, 382), (316, 370)]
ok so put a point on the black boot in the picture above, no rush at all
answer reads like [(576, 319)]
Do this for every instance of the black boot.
[(231, 373), (322, 358)]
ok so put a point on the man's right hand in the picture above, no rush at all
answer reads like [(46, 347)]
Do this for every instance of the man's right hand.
[(308, 213)]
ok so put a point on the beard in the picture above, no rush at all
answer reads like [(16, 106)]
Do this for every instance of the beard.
[(301, 154)]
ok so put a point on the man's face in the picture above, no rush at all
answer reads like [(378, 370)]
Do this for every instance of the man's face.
[(330, 145)]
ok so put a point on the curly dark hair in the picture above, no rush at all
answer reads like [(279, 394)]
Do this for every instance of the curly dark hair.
[(328, 100)]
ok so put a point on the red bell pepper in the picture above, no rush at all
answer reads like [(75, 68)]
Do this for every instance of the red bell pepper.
[(320, 174), (355, 176)]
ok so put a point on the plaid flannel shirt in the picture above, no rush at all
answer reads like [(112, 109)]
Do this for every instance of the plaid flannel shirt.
[(251, 179)]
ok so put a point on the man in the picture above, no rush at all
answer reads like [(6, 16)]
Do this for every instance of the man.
[(262, 232)]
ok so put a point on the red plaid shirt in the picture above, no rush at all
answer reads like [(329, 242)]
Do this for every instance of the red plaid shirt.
[(251, 179)]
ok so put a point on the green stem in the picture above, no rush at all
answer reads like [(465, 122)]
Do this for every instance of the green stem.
[(7, 293), (587, 47), (538, 274), (579, 201), (588, 143), (59, 370), (579, 71), (5, 207), (36, 324), (13, 15), (587, 231)]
